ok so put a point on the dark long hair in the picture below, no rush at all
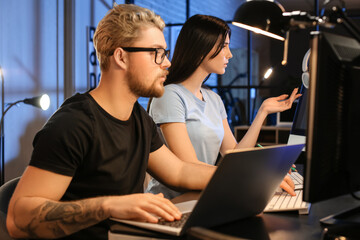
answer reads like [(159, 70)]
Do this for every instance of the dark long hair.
[(197, 37)]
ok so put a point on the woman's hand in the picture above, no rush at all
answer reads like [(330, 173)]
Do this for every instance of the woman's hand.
[(288, 185), (280, 103)]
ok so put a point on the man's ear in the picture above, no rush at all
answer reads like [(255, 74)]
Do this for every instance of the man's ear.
[(120, 58)]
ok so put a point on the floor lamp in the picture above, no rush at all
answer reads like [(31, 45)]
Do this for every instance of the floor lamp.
[(42, 102)]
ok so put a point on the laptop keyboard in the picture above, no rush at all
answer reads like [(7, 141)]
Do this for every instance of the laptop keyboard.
[(282, 201), (176, 223)]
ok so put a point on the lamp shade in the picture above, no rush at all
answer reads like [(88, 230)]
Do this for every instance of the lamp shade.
[(261, 16), (42, 101)]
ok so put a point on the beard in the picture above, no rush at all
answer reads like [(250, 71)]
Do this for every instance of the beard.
[(137, 86)]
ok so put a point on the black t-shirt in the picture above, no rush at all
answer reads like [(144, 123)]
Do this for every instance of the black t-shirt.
[(105, 156)]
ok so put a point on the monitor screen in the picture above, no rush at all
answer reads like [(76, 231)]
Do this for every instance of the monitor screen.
[(298, 128), (333, 126), (285, 118)]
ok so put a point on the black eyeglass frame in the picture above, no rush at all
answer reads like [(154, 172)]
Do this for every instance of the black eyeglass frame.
[(156, 50)]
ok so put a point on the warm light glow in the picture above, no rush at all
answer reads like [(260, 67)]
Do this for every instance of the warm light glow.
[(1, 74), (268, 73), (44, 102), (289, 14), (258, 30)]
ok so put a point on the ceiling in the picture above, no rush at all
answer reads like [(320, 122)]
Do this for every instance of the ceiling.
[(308, 5)]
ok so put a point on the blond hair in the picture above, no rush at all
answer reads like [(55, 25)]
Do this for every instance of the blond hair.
[(120, 28)]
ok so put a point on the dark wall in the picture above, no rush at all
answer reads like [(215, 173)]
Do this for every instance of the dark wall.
[(285, 78)]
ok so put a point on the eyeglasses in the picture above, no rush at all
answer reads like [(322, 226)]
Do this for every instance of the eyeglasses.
[(160, 53)]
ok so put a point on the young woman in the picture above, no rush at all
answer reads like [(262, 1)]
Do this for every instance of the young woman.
[(193, 119)]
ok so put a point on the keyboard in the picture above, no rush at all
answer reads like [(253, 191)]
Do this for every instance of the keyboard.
[(282, 201), (177, 223)]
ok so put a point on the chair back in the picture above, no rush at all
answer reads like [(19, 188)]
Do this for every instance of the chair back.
[(6, 191)]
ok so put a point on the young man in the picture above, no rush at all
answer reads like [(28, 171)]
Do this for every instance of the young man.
[(89, 160)]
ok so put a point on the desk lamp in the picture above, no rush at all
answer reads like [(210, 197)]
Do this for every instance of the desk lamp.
[(42, 102), (268, 18), (267, 75)]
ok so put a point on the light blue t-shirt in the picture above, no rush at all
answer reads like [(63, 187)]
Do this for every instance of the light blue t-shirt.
[(203, 121)]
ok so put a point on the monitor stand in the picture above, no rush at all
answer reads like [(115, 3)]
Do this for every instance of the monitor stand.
[(346, 223)]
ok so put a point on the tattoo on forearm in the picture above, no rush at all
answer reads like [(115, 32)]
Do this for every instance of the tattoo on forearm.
[(64, 218)]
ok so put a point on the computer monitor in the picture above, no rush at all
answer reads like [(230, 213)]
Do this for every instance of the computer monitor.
[(298, 129), (285, 118), (333, 126)]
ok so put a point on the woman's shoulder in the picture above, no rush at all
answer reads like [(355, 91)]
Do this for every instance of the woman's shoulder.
[(172, 93), (173, 87), (174, 90), (210, 92)]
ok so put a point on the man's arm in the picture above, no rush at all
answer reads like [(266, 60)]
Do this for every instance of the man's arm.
[(172, 171), (36, 212)]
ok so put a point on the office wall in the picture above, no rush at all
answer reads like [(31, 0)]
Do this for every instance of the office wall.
[(32, 57), (174, 11)]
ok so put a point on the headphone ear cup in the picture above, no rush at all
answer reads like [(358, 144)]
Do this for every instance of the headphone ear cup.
[(305, 79), (305, 76), (305, 61)]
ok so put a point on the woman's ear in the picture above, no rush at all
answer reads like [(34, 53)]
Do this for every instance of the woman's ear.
[(120, 58)]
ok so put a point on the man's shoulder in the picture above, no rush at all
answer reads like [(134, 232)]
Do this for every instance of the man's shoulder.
[(77, 108), (77, 99), (140, 111)]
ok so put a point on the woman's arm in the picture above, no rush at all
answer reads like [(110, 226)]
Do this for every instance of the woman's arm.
[(178, 141), (270, 105)]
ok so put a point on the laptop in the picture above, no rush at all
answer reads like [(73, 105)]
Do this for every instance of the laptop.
[(241, 187)]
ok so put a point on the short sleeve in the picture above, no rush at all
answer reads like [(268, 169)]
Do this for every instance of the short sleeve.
[(168, 108), (60, 146), (156, 140), (222, 108), (220, 105)]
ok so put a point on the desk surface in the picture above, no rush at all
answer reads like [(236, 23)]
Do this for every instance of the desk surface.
[(281, 225), (286, 225), (277, 226)]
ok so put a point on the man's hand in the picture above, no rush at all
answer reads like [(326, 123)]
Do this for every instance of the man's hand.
[(288, 185), (142, 207)]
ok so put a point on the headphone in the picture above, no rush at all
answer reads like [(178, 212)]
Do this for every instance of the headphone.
[(305, 68)]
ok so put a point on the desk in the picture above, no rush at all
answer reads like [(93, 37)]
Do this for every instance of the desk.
[(278, 226), (288, 225)]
